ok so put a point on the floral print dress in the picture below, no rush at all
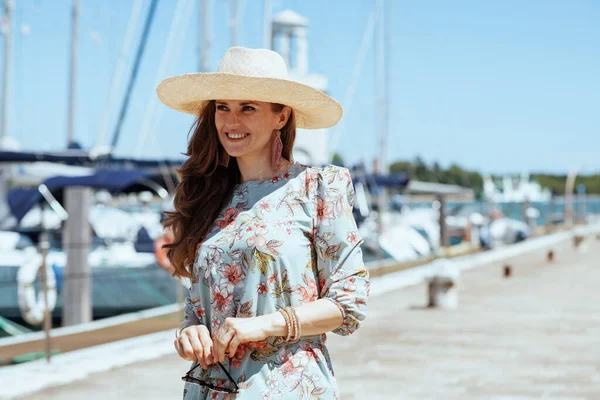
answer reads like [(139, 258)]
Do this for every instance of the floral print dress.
[(282, 242)]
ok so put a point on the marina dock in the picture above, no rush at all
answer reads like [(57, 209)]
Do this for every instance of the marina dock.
[(532, 335)]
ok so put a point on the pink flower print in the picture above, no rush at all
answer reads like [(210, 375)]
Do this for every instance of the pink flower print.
[(264, 206), (311, 181), (309, 352), (240, 353), (260, 225), (257, 345), (294, 366), (215, 395), (215, 324), (310, 292), (258, 239), (221, 299), (272, 279), (352, 237), (233, 275), (324, 211), (267, 395), (262, 288), (200, 312), (287, 175), (349, 284), (229, 216), (275, 179)]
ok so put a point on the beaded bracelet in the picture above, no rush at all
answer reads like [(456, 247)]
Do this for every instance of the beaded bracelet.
[(297, 332), (294, 324), (288, 323)]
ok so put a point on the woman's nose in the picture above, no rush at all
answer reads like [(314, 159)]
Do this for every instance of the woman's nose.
[(234, 118)]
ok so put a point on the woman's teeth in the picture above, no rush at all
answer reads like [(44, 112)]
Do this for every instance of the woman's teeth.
[(237, 135)]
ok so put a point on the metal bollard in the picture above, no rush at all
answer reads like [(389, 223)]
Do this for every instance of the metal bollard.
[(579, 241), (443, 286)]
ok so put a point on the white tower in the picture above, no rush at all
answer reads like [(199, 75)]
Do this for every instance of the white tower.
[(289, 38)]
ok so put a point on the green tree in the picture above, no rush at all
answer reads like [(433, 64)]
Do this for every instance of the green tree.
[(422, 171), (402, 167), (439, 173), (457, 176), (475, 182), (337, 160)]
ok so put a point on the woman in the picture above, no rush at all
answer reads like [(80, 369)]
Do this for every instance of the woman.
[(270, 246)]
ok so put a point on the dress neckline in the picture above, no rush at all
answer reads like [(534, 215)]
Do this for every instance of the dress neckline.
[(286, 174)]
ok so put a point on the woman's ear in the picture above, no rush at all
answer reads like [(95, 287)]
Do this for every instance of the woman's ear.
[(284, 116)]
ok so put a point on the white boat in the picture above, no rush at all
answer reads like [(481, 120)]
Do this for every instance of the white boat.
[(514, 189)]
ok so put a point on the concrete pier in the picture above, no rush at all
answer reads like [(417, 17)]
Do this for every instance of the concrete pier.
[(532, 335)]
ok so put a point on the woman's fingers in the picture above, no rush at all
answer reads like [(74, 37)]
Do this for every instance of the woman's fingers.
[(179, 349), (198, 350), (207, 345), (195, 344), (233, 346), (187, 348), (221, 342)]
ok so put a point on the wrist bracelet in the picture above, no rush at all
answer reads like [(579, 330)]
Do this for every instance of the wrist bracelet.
[(288, 323), (297, 332)]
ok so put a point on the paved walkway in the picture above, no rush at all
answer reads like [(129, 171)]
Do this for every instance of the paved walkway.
[(535, 335)]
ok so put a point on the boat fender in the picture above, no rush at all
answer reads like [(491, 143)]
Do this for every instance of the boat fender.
[(32, 304)]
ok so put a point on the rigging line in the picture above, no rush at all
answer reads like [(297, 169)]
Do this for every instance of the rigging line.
[(358, 65), (134, 72), (119, 70), (173, 47)]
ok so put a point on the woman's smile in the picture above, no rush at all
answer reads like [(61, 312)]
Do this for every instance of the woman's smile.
[(236, 136)]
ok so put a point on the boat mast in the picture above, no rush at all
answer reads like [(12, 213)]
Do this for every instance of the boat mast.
[(268, 25), (386, 87), (6, 26), (383, 83), (73, 73), (234, 22), (206, 39)]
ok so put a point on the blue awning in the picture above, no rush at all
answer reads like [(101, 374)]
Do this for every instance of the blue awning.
[(389, 181), (83, 157), (115, 181)]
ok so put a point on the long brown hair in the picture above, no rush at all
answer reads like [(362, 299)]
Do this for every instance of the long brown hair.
[(205, 187)]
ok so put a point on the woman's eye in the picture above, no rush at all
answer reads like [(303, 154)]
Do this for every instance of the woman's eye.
[(221, 107), (248, 108)]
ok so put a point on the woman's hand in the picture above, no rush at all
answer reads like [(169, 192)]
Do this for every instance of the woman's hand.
[(236, 331), (194, 344)]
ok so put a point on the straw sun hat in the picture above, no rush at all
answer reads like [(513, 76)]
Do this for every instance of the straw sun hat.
[(251, 74)]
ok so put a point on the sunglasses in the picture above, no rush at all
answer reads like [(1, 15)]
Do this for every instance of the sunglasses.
[(190, 379)]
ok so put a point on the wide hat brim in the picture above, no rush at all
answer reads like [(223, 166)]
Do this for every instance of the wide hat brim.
[(190, 92)]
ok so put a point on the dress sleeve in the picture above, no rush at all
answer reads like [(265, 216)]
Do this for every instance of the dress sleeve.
[(343, 277), (190, 317)]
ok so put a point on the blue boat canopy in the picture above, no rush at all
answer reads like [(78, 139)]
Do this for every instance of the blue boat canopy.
[(115, 181), (388, 181)]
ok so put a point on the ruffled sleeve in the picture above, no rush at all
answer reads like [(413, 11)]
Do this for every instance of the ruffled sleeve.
[(343, 277)]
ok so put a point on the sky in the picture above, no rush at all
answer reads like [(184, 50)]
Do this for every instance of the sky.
[(494, 86)]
